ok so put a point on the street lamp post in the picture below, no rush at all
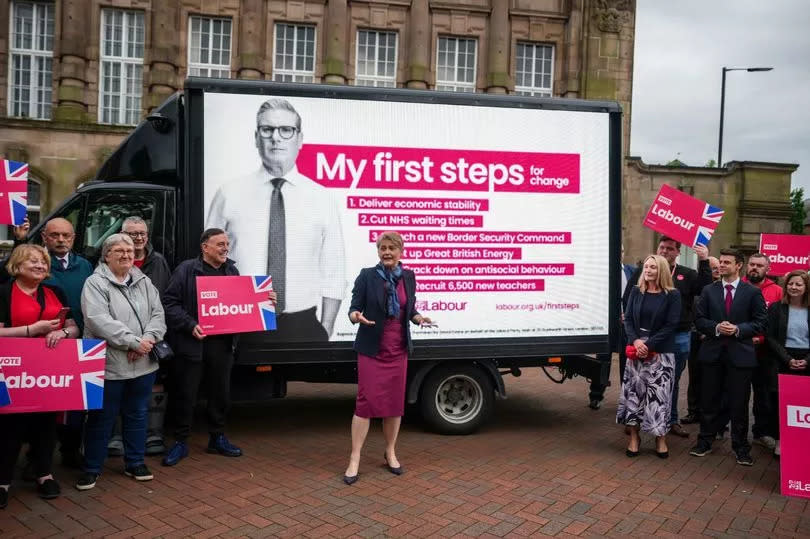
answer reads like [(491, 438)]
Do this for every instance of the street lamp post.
[(723, 104)]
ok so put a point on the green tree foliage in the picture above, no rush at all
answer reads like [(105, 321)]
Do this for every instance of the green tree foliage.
[(799, 213)]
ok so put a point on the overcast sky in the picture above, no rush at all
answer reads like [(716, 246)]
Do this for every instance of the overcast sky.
[(681, 48)]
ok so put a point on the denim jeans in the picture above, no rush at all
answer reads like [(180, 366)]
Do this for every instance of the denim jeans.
[(682, 342), (130, 399)]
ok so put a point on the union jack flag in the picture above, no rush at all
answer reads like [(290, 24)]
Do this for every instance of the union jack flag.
[(705, 229), (264, 283), (13, 192), (92, 382), (5, 398)]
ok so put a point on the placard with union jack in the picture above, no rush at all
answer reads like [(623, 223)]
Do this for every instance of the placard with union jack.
[(682, 217), (13, 192), (69, 376), (235, 304)]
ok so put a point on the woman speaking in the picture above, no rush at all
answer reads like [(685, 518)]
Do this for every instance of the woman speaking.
[(383, 301)]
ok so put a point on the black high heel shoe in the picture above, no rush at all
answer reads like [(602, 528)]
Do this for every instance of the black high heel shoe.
[(663, 454), (396, 471), (631, 454), (350, 479)]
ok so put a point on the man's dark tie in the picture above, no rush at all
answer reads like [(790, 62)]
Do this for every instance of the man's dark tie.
[(276, 243), (729, 298)]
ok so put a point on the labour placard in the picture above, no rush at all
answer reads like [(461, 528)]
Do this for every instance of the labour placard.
[(41, 379), (787, 252), (13, 192), (683, 218), (794, 432), (235, 304)]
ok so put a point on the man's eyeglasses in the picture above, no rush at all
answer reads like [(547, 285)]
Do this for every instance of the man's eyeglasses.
[(60, 235), (136, 234), (284, 131)]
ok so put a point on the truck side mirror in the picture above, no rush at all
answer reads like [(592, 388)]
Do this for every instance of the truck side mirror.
[(159, 122)]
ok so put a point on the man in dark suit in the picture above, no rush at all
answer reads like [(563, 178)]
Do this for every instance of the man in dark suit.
[(729, 313), (689, 283)]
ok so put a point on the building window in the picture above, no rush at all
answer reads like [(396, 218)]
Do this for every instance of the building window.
[(535, 67), (294, 53), (121, 88), (376, 58), (209, 47), (31, 87), (455, 64)]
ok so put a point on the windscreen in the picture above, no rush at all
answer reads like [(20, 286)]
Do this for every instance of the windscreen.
[(503, 211)]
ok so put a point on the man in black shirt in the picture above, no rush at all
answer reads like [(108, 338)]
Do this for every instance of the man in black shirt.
[(195, 353), (689, 283)]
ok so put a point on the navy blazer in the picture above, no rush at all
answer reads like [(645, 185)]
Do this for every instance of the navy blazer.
[(777, 334), (661, 327), (369, 297), (748, 313)]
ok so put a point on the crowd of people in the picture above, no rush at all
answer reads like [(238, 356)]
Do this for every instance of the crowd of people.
[(128, 301), (736, 330)]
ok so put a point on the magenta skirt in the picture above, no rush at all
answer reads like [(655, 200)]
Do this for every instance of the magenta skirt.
[(381, 379)]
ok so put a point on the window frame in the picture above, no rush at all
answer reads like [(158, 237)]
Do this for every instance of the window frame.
[(280, 74), (536, 91), (376, 80), (43, 110), (121, 113), (209, 67), (456, 85)]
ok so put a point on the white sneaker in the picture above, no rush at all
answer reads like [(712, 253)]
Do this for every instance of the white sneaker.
[(766, 441), (777, 451)]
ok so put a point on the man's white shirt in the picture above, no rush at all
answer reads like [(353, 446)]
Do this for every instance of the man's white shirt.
[(315, 253)]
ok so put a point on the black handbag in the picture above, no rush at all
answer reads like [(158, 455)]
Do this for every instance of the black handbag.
[(161, 351)]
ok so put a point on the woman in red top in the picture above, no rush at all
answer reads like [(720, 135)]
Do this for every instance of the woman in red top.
[(29, 308)]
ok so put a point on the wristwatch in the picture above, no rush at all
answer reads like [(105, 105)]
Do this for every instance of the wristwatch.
[(66, 332)]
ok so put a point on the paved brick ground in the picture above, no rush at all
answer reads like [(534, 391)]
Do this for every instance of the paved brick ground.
[(547, 465)]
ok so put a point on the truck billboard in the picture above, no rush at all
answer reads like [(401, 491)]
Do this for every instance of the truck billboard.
[(504, 210)]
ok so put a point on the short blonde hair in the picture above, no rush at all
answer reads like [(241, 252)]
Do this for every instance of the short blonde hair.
[(393, 237), (664, 274), (22, 253)]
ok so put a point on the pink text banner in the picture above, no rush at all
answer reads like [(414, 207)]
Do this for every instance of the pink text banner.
[(682, 217), (377, 167), (787, 252), (794, 432), (41, 379), (235, 304)]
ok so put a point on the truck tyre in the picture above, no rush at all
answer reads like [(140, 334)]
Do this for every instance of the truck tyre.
[(456, 399)]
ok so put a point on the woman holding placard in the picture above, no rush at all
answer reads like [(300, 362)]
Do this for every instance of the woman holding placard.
[(31, 309), (383, 302), (789, 336), (650, 320)]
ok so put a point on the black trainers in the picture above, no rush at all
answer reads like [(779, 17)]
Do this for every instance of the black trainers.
[(139, 472), (86, 481), (701, 450), (744, 459), (48, 489)]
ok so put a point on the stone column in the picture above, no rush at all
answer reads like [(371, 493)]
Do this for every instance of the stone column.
[(164, 55), (71, 94), (250, 62), (334, 61), (498, 54), (419, 46)]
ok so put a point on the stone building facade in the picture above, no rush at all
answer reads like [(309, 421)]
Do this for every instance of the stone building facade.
[(755, 197), (76, 75)]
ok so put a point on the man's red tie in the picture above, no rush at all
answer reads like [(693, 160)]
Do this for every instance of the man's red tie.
[(729, 298)]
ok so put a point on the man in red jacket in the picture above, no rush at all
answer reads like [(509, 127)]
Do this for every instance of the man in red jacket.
[(762, 380)]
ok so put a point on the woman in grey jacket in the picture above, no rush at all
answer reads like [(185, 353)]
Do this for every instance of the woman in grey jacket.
[(121, 306)]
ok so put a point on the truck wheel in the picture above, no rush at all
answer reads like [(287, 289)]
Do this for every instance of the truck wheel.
[(456, 399)]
